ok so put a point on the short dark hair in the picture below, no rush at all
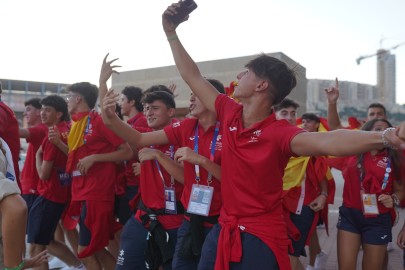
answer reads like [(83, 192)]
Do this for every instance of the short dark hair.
[(134, 93), (218, 85), (58, 103), (377, 105), (281, 78), (87, 90), (163, 96), (311, 116), (34, 102), (286, 103), (158, 87)]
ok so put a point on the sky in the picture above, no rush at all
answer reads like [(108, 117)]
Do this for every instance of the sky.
[(64, 41)]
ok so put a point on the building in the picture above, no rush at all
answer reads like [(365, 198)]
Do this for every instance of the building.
[(224, 70), (16, 92)]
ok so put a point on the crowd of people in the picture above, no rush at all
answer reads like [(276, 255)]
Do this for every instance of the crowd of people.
[(237, 184)]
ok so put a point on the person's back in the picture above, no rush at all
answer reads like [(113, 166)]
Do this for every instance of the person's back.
[(9, 132)]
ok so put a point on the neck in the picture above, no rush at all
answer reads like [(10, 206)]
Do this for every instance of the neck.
[(207, 120), (254, 113), (36, 123), (132, 113)]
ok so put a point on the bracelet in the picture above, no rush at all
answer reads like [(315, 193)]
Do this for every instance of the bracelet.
[(324, 193), (395, 199), (172, 37), (19, 267), (384, 140)]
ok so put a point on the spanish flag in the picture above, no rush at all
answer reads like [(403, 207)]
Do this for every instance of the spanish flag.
[(76, 138)]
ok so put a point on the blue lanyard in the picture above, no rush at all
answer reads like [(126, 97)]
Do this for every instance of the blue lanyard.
[(160, 170), (386, 175), (214, 140)]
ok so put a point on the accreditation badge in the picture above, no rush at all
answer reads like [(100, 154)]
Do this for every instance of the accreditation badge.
[(200, 200), (170, 201), (370, 206), (65, 178)]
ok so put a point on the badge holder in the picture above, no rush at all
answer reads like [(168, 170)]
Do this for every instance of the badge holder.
[(170, 201), (369, 202), (200, 200)]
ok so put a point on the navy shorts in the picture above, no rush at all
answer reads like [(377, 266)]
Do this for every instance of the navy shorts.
[(43, 219), (303, 222), (179, 262), (373, 230), (121, 207), (84, 232), (29, 200), (255, 253), (131, 253)]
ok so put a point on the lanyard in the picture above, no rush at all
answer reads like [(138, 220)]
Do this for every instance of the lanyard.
[(86, 131), (386, 174), (214, 140), (160, 170)]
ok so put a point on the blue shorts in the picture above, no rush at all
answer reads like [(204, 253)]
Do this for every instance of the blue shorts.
[(255, 253), (179, 262), (43, 219), (29, 200), (303, 222), (131, 253), (373, 230)]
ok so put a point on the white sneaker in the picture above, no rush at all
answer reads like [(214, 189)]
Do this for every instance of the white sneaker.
[(56, 263), (320, 260)]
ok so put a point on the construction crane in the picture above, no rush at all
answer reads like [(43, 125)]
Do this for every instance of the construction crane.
[(378, 53)]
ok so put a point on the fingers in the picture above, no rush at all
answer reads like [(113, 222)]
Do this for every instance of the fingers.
[(337, 83)]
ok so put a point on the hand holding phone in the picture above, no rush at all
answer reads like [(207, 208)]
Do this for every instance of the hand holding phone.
[(185, 8)]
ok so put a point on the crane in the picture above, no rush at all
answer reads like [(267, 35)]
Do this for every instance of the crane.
[(378, 53)]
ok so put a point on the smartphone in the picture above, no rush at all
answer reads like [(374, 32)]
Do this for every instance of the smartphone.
[(186, 7)]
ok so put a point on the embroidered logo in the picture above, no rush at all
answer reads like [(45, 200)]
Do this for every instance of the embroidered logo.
[(177, 124), (121, 259), (233, 128), (255, 135)]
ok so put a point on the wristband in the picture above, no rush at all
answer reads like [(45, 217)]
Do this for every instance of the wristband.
[(384, 140), (172, 37), (19, 267), (395, 199)]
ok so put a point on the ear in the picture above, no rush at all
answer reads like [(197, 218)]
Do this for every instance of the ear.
[(132, 103), (262, 85), (171, 112), (59, 115)]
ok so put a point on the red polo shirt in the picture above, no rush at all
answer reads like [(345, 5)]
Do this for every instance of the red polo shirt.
[(182, 133), (52, 188), (152, 190), (29, 175), (99, 182), (139, 120), (374, 168), (253, 162)]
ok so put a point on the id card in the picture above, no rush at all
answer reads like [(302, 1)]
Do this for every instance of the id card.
[(369, 204), (65, 178), (170, 201), (200, 200)]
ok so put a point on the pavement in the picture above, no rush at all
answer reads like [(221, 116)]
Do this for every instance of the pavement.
[(328, 243)]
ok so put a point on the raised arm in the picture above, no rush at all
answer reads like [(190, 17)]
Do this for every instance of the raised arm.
[(186, 65), (332, 94), (108, 101), (346, 142)]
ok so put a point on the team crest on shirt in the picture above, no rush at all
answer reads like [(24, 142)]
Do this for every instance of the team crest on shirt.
[(176, 124), (255, 136), (383, 162)]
